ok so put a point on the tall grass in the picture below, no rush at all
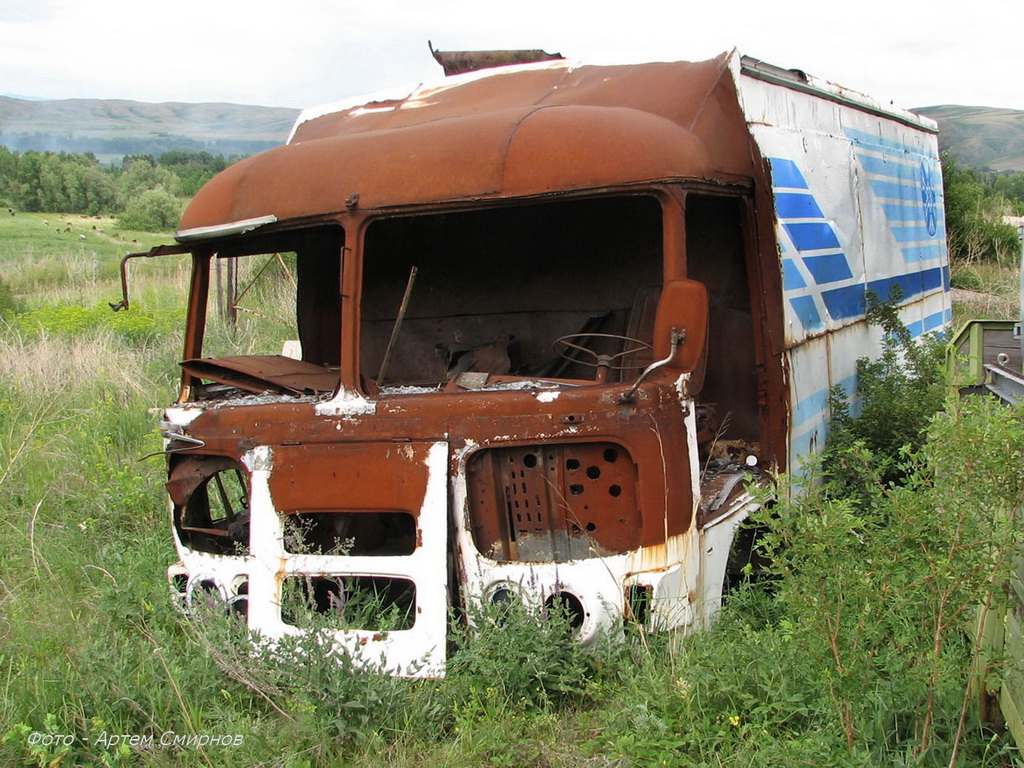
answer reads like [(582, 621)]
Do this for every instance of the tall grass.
[(91, 647), (988, 291)]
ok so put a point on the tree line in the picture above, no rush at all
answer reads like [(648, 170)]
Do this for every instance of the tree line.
[(148, 192), (144, 192), (129, 145)]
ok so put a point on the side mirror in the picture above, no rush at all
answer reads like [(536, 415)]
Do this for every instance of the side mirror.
[(683, 308)]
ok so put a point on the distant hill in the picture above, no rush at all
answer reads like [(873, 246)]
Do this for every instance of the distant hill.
[(113, 127), (980, 137)]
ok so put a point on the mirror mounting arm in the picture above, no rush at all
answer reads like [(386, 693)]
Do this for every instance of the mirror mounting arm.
[(160, 250), (677, 338)]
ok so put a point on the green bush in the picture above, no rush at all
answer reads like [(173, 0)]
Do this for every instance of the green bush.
[(135, 325), (155, 210), (966, 278), (511, 658), (879, 594), (899, 392)]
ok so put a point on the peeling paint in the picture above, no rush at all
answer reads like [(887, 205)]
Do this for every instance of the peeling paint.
[(347, 404)]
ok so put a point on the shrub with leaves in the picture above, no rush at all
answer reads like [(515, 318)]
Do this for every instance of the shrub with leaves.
[(974, 224), (155, 210), (880, 594), (513, 657), (69, 320), (899, 392)]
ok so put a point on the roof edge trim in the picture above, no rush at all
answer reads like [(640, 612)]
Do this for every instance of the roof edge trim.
[(223, 230), (798, 80)]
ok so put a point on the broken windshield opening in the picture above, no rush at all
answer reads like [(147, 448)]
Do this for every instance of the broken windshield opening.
[(488, 293), (273, 317)]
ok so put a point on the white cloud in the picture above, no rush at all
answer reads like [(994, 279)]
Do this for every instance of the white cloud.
[(307, 52)]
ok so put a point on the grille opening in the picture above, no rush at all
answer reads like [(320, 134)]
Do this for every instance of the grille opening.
[(211, 504), (557, 506), (350, 533), (179, 583), (373, 603)]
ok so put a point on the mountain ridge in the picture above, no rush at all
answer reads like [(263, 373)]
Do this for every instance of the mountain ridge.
[(983, 138), (111, 127)]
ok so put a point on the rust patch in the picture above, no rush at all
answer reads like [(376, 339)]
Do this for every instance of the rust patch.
[(457, 62), (265, 373), (349, 478)]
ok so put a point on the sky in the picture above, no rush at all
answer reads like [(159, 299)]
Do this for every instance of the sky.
[(304, 53)]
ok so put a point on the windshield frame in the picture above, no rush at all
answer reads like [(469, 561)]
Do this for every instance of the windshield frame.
[(668, 264), (250, 244)]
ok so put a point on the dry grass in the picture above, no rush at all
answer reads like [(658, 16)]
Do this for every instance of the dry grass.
[(985, 291), (62, 367)]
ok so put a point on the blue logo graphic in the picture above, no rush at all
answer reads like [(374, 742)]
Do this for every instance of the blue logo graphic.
[(929, 199)]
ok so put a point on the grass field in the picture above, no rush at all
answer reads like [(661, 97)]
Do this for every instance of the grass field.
[(985, 291), (98, 669)]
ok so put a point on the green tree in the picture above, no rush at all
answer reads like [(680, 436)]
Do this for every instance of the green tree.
[(974, 226), (140, 175), (97, 191), (9, 176), (155, 210)]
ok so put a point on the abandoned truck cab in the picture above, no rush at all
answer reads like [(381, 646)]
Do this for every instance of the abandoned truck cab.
[(546, 323)]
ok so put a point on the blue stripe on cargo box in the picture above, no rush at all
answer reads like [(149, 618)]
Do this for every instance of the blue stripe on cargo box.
[(806, 312), (786, 174), (924, 252), (913, 211), (795, 205), (912, 284), (843, 303), (895, 191), (926, 325), (830, 268), (888, 166), (915, 329), (812, 236), (811, 407), (933, 321), (791, 277), (850, 301), (913, 234)]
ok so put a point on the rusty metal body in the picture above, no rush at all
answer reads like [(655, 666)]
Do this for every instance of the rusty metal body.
[(627, 209)]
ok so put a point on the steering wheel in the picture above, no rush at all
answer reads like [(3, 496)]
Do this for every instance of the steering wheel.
[(569, 342)]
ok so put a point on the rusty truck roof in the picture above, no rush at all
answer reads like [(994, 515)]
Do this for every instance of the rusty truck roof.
[(517, 131)]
